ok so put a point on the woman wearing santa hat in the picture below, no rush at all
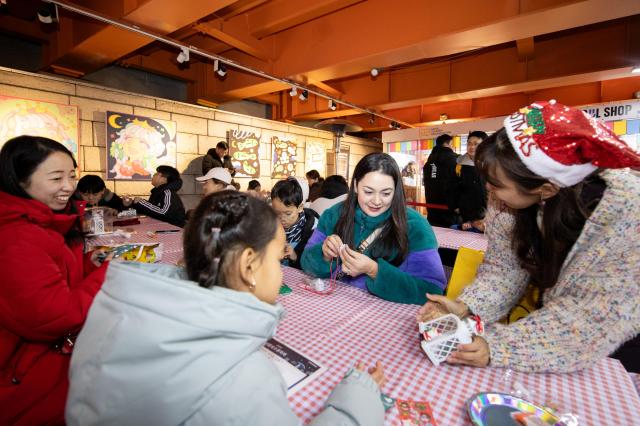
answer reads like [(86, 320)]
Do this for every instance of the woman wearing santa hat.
[(569, 227)]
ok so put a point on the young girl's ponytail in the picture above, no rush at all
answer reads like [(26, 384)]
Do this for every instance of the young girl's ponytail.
[(223, 224)]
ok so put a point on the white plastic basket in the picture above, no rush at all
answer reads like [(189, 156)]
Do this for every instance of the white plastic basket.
[(442, 336)]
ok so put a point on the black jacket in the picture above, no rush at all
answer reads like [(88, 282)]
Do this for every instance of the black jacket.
[(109, 199), (164, 204), (439, 174), (469, 194), (210, 160), (312, 219)]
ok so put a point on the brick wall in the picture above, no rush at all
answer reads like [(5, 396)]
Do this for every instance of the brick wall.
[(199, 128)]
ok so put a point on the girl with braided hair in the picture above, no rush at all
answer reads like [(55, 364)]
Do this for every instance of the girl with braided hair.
[(167, 346)]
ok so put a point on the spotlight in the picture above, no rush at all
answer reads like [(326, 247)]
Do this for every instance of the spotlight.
[(219, 68), (375, 72), (444, 117), (183, 56), (395, 125), (294, 91), (372, 119), (635, 70), (332, 105), (47, 13), (304, 95)]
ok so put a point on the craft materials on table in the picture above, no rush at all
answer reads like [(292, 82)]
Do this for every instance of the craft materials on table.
[(442, 336), (351, 325)]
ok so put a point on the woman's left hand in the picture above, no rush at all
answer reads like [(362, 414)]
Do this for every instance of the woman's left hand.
[(475, 354), (355, 263)]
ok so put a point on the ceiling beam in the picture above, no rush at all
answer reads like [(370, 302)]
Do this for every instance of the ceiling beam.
[(280, 15), (211, 30), (525, 48)]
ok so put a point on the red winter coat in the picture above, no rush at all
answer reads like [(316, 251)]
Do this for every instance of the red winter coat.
[(45, 293)]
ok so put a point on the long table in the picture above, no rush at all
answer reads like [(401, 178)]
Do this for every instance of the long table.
[(352, 324), (454, 239)]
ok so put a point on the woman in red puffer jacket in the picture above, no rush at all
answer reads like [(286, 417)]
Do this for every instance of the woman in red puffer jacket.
[(46, 285)]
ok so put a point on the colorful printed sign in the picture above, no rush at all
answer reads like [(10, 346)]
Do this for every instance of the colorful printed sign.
[(283, 159), (243, 148), (38, 118), (137, 145)]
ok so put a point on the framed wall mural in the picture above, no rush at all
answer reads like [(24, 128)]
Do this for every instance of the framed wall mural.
[(243, 148), (137, 145), (283, 158), (38, 118), (316, 157)]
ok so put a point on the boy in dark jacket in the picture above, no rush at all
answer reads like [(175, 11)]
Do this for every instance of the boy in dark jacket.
[(164, 202), (439, 175), (91, 188), (288, 202), (215, 157)]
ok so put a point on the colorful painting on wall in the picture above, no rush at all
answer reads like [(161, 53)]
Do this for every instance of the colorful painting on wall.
[(315, 157), (243, 148), (283, 158), (137, 145), (38, 118)]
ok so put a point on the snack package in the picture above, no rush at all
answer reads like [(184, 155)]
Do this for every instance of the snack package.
[(415, 413), (138, 252)]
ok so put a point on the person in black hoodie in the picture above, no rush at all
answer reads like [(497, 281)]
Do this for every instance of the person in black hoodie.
[(439, 174), (468, 193), (164, 202), (288, 202)]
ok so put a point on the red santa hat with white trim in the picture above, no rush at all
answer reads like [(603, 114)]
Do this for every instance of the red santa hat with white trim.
[(565, 144)]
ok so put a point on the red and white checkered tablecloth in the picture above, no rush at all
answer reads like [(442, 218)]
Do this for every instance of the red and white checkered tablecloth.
[(351, 324), (171, 242), (454, 239)]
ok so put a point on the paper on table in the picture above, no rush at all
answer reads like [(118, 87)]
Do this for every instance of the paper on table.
[(296, 369)]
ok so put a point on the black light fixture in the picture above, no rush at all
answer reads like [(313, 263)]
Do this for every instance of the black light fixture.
[(222, 70), (372, 119), (332, 105), (395, 125), (183, 56), (444, 117), (47, 13), (304, 95)]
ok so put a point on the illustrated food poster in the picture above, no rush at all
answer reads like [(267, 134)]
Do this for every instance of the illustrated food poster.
[(243, 148), (137, 145), (283, 160), (315, 157), (37, 118)]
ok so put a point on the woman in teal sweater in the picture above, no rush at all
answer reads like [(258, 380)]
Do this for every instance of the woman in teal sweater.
[(391, 250)]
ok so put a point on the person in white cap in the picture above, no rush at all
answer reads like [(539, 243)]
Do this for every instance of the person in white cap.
[(216, 179), (568, 229)]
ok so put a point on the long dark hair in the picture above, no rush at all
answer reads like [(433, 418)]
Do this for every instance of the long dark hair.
[(20, 157), (564, 215), (394, 232), (243, 221)]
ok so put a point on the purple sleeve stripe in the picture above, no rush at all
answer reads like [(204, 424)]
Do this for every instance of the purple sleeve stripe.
[(316, 238), (426, 265)]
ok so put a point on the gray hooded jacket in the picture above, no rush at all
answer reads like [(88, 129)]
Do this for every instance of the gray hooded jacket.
[(156, 349)]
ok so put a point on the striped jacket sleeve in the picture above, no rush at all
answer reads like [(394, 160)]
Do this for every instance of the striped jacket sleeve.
[(151, 209)]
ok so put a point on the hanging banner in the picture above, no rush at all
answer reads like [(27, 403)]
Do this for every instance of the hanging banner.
[(243, 148)]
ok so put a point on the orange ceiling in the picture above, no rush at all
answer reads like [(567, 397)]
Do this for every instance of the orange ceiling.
[(463, 58)]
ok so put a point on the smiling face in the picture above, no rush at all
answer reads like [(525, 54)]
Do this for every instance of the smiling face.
[(510, 193), (267, 270), (375, 193), (53, 181)]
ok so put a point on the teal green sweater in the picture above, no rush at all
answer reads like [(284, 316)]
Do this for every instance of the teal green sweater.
[(419, 273)]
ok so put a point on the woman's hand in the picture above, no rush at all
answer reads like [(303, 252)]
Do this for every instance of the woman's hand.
[(290, 253), (475, 354), (438, 306), (331, 247), (377, 372), (98, 257), (355, 263)]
